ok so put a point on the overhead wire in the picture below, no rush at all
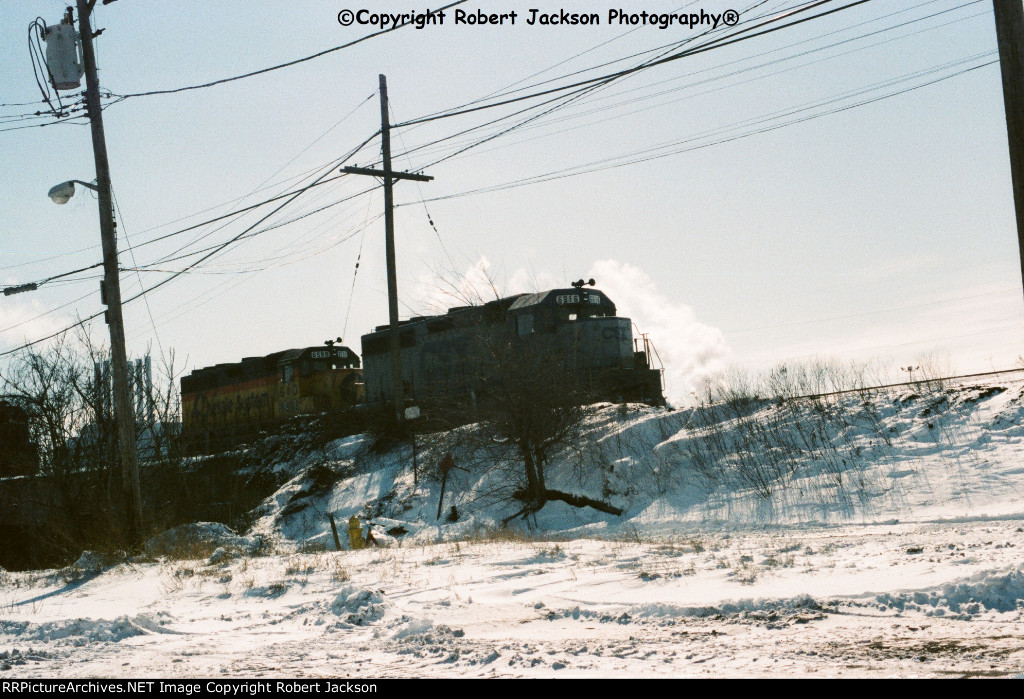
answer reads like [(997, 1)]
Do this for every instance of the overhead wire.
[(621, 59), (419, 188), (40, 68), (720, 43), (192, 265), (252, 207), (234, 239), (243, 275), (648, 154), (546, 176), (564, 100), (596, 110), (287, 64), (623, 73), (131, 251), (560, 101), (355, 272)]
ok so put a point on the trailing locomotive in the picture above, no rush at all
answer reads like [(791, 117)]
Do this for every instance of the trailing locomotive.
[(445, 357), (233, 401)]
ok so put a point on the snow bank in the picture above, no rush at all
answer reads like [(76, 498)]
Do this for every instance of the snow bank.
[(983, 593), (201, 539), (81, 631), (748, 607), (358, 606)]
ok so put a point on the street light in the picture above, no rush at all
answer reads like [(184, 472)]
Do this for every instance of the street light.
[(110, 289), (62, 192)]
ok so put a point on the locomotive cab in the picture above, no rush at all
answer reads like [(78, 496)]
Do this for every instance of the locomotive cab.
[(296, 364), (581, 327), (316, 379)]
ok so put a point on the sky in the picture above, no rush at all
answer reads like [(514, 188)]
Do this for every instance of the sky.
[(792, 197)]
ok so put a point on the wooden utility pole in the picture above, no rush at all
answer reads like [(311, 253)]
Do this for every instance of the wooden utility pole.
[(1009, 16), (389, 176), (111, 284)]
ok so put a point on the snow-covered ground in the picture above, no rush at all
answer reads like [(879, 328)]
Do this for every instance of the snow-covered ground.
[(896, 551)]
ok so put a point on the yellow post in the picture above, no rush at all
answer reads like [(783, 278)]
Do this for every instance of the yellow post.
[(355, 533)]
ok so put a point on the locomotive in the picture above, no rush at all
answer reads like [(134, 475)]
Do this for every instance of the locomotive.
[(233, 401), (575, 332), (443, 357)]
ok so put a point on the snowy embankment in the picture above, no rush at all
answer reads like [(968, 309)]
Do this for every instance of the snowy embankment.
[(749, 545)]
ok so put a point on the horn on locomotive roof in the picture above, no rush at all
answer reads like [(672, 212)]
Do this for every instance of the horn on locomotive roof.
[(331, 343), (580, 283)]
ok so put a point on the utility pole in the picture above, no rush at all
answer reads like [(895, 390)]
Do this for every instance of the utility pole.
[(389, 176), (111, 285), (1009, 16)]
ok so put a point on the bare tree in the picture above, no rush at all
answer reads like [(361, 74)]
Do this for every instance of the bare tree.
[(78, 492), (537, 402), (524, 392)]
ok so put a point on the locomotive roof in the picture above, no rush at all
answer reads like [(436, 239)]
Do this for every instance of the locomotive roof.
[(253, 367), (561, 297), (494, 310)]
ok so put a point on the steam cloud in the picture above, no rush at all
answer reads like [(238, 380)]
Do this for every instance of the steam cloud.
[(690, 350)]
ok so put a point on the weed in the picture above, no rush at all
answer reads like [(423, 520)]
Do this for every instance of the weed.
[(297, 566), (276, 589), (313, 547), (176, 579), (554, 551), (491, 535), (338, 572)]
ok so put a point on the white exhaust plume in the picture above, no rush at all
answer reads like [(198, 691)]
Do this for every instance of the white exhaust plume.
[(690, 350)]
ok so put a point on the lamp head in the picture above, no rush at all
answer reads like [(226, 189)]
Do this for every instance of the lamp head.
[(62, 192)]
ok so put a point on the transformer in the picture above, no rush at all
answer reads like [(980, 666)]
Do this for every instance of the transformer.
[(63, 59)]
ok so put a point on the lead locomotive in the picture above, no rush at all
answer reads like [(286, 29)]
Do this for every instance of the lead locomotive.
[(455, 357)]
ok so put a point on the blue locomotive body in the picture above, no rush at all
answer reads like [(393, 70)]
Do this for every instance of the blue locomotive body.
[(450, 357)]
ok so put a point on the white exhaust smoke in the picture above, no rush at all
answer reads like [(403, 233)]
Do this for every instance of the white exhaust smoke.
[(690, 350)]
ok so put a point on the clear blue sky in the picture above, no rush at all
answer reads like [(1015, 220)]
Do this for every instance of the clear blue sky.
[(879, 231)]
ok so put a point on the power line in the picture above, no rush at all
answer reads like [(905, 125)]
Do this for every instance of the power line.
[(565, 99), (592, 85), (506, 91), (739, 71), (22, 104), (79, 270), (629, 71), (255, 233), (131, 251), (46, 257), (648, 154), (419, 189), (238, 237), (40, 282), (561, 100), (533, 118), (192, 265), (282, 65), (212, 293), (355, 272)]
